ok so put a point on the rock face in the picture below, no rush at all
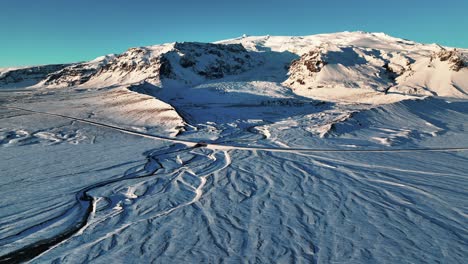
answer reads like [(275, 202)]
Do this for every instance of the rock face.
[(76, 74), (29, 76), (308, 64), (212, 61), (453, 57), (186, 62), (136, 64), (71, 76)]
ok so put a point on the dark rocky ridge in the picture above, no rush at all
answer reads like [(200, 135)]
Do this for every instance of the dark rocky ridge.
[(191, 63), (205, 60), (454, 58), (33, 74), (224, 59), (72, 75)]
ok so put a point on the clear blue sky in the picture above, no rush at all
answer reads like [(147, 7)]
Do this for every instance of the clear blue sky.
[(55, 31)]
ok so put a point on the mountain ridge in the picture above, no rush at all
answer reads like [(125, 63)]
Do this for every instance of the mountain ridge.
[(312, 66)]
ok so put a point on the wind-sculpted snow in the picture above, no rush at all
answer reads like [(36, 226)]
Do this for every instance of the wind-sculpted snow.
[(23, 137), (268, 207), (209, 204), (172, 179)]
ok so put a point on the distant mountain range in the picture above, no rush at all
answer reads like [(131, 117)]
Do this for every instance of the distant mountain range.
[(326, 66)]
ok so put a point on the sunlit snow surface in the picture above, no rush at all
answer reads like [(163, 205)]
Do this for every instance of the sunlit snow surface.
[(242, 168), (172, 202)]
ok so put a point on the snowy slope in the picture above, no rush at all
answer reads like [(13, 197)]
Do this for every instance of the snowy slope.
[(367, 61)]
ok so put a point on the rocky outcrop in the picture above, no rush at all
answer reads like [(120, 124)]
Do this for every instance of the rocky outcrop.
[(308, 64), (70, 76), (453, 57), (205, 59), (77, 74), (134, 59), (31, 75), (213, 61), (187, 62)]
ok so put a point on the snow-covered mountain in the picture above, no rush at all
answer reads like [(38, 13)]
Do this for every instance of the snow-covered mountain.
[(327, 66), (368, 61), (188, 63)]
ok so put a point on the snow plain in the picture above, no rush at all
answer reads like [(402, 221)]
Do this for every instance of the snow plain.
[(242, 169)]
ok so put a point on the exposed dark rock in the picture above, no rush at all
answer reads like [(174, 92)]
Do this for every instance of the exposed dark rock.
[(165, 68), (392, 75), (454, 58), (313, 61), (32, 74), (219, 60), (71, 76), (187, 61), (307, 65), (190, 47), (211, 61)]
